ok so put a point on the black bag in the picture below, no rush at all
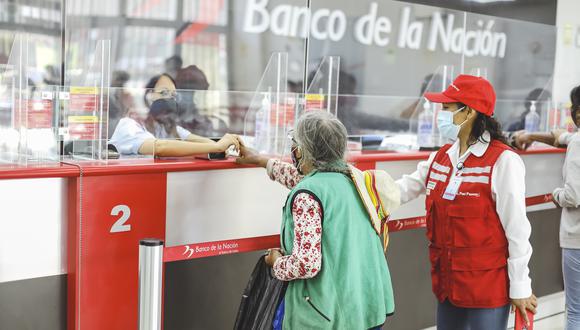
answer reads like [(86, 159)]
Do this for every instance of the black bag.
[(260, 300)]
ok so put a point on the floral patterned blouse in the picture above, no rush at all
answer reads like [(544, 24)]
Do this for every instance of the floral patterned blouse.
[(306, 257)]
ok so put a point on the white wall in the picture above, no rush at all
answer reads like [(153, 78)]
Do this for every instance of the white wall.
[(567, 67), (33, 228)]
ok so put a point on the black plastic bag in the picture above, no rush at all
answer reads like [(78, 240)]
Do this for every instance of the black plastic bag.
[(260, 300)]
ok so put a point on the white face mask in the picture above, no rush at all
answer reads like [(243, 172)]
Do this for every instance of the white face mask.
[(446, 126)]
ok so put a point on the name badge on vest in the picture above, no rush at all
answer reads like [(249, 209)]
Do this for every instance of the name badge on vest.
[(452, 188)]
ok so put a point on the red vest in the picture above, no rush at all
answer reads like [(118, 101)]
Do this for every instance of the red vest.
[(468, 249)]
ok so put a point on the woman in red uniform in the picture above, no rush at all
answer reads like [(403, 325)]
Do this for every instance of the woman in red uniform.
[(476, 213)]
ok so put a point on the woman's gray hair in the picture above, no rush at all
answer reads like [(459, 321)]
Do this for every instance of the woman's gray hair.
[(323, 139)]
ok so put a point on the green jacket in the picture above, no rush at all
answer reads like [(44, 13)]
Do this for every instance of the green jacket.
[(353, 287)]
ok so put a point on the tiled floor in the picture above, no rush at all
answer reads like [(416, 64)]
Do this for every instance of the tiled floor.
[(550, 314), (552, 323)]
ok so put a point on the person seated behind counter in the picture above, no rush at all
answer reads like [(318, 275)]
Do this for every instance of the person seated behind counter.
[(158, 134)]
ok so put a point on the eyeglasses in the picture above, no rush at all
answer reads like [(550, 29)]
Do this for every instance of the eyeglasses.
[(165, 93)]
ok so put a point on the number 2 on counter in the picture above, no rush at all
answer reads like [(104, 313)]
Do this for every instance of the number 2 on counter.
[(119, 226)]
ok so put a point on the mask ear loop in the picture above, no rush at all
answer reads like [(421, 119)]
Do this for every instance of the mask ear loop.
[(287, 147), (148, 97), (458, 111), (298, 161), (466, 119)]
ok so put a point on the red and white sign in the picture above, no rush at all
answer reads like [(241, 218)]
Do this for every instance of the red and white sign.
[(113, 215), (40, 114), (210, 249), (83, 99), (314, 102), (283, 115), (35, 114), (407, 224), (83, 127)]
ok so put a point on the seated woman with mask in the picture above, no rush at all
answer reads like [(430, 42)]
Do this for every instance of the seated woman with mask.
[(158, 134)]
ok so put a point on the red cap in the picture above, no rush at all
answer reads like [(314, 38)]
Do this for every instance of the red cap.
[(475, 92)]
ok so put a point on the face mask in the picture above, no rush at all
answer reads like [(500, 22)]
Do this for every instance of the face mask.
[(163, 106), (446, 126), (295, 160)]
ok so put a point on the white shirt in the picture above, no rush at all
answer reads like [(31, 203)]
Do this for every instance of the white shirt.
[(568, 196), (508, 192), (129, 135), (566, 138)]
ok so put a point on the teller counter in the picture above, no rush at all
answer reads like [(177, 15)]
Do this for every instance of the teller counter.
[(70, 233)]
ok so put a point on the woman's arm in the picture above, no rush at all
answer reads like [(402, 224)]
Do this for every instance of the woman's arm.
[(508, 188), (176, 148), (306, 258), (569, 195), (198, 139), (413, 185), (284, 173), (523, 140)]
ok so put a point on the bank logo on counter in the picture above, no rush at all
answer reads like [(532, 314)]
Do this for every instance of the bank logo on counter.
[(373, 29), (189, 251)]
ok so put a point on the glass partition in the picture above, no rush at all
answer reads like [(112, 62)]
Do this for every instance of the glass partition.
[(28, 117), (230, 42), (322, 91), (517, 57), (367, 62), (13, 82), (479, 72), (386, 48), (566, 66), (217, 113), (272, 110), (85, 109), (166, 116), (532, 115)]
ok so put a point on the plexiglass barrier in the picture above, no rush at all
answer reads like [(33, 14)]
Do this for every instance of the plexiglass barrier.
[(154, 114), (373, 122), (323, 86), (534, 115), (271, 113), (100, 123), (85, 109), (28, 117)]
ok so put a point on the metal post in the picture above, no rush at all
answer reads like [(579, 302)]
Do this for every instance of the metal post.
[(150, 283)]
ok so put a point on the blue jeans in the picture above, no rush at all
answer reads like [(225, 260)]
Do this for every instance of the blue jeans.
[(279, 316), (571, 270), (450, 317)]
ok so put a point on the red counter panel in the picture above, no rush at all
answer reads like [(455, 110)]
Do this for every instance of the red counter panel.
[(114, 213)]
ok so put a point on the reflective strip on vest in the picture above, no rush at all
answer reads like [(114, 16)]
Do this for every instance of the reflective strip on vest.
[(440, 167), (438, 177), (476, 170), (476, 179)]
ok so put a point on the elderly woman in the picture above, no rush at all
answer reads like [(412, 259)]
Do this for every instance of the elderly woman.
[(331, 254)]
